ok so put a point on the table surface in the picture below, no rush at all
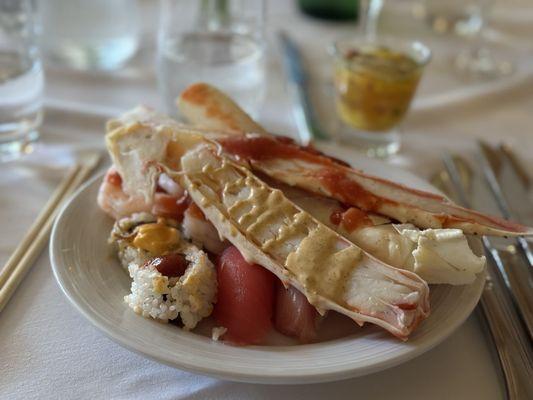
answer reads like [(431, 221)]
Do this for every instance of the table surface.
[(48, 351)]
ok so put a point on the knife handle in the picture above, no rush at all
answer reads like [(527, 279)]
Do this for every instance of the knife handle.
[(513, 347)]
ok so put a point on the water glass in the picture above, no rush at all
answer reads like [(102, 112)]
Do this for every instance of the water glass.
[(220, 42), (89, 34), (461, 17), (21, 79)]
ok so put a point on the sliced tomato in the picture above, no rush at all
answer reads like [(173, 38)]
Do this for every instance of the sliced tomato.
[(169, 206), (294, 315), (245, 298)]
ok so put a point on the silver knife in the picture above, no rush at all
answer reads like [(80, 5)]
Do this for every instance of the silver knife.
[(297, 80), (513, 269), (514, 204), (511, 342)]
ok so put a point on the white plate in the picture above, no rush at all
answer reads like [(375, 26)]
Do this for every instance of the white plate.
[(93, 281)]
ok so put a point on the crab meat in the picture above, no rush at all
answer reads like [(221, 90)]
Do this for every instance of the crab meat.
[(374, 234), (304, 167), (271, 231)]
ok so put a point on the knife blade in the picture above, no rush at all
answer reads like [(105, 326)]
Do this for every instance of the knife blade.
[(509, 337), (297, 84), (514, 204), (514, 271)]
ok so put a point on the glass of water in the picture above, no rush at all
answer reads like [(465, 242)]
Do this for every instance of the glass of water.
[(220, 42), (89, 34), (21, 79)]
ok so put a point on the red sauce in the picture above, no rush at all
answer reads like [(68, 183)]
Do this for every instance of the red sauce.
[(354, 218), (347, 190), (171, 265), (351, 218), (114, 178), (255, 147), (336, 217), (334, 176)]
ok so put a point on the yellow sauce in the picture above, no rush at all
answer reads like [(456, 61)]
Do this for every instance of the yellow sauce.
[(375, 86), (156, 238), (321, 267), (319, 259)]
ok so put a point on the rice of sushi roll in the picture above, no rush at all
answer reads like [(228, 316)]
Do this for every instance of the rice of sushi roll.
[(191, 296), (172, 278)]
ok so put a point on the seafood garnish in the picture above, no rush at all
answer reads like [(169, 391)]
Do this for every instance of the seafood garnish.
[(271, 231), (340, 277), (372, 233), (304, 167), (436, 255), (213, 110)]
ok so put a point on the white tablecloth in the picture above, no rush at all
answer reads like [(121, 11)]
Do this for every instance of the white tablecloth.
[(48, 351)]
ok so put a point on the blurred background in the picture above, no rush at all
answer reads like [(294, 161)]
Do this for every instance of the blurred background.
[(100, 58)]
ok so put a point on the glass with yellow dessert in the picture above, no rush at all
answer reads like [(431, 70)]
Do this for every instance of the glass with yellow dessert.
[(375, 82)]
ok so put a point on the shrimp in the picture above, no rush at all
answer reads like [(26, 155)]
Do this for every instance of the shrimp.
[(112, 199), (170, 201)]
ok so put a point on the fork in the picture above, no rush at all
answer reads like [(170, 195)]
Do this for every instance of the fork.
[(511, 341)]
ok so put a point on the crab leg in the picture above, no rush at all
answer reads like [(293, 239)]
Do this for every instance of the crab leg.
[(270, 230), (306, 168)]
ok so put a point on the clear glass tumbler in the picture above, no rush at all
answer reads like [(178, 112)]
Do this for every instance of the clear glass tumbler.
[(89, 34), (21, 79), (375, 81), (220, 42), (461, 17)]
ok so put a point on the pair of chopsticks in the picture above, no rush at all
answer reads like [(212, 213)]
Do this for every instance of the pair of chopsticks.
[(499, 298), (19, 263)]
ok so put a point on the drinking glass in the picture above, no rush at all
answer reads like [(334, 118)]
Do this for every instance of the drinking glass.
[(468, 18), (21, 79), (89, 34), (375, 81), (220, 42), (478, 60), (461, 17), (369, 14)]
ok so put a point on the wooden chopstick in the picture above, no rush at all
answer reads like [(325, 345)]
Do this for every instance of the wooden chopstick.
[(36, 238), (50, 205)]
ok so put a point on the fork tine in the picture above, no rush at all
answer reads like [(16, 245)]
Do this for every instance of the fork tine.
[(516, 164), (490, 162), (507, 332)]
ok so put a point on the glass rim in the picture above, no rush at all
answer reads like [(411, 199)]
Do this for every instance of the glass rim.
[(422, 57)]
